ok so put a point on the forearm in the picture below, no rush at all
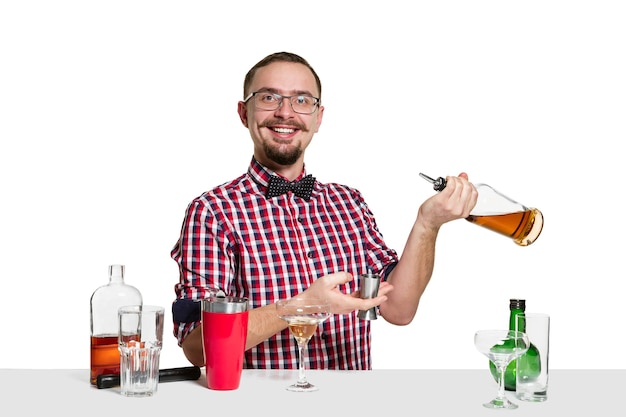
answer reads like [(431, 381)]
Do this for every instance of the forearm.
[(262, 324), (411, 276), (192, 347)]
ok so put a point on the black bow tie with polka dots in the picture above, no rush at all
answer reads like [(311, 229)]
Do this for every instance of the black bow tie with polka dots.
[(279, 186)]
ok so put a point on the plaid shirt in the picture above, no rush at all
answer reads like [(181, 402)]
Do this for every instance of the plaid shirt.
[(235, 239)]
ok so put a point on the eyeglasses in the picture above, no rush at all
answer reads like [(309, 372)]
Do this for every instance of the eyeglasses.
[(302, 103)]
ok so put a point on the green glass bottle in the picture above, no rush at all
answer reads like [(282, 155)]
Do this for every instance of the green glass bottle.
[(530, 363)]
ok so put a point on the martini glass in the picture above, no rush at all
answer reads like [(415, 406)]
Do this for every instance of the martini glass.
[(303, 316), (501, 347)]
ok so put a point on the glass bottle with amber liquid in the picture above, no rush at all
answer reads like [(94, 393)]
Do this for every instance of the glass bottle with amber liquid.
[(105, 301), (530, 363), (501, 214)]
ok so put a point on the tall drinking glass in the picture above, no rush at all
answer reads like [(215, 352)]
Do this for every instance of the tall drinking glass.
[(532, 373)]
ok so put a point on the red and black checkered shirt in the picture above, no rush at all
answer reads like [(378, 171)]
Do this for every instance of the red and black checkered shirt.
[(235, 239)]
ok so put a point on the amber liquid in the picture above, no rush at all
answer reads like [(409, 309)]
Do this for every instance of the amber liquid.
[(105, 357), (302, 330), (523, 227)]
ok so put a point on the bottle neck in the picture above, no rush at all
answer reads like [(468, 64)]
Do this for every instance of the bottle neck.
[(116, 274), (514, 323)]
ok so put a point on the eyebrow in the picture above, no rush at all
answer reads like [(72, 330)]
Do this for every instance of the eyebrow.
[(275, 91)]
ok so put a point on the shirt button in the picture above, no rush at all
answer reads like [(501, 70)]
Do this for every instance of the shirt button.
[(300, 220), (310, 254)]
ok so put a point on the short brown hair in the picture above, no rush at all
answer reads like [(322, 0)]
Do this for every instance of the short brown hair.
[(279, 57)]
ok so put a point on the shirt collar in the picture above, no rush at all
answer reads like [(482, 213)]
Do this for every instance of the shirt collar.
[(261, 174)]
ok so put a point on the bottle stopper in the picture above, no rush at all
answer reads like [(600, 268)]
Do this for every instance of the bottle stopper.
[(438, 184)]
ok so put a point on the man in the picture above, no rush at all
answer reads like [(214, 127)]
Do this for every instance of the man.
[(249, 240)]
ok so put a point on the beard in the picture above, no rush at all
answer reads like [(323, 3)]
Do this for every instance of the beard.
[(282, 157)]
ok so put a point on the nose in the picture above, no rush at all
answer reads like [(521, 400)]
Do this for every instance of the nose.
[(284, 108)]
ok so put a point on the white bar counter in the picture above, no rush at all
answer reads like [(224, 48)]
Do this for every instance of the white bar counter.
[(31, 392)]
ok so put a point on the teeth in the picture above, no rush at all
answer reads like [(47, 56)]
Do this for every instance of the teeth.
[(283, 130)]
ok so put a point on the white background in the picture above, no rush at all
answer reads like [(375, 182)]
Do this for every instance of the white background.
[(115, 114)]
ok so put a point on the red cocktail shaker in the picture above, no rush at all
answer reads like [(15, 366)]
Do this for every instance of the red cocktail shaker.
[(224, 330)]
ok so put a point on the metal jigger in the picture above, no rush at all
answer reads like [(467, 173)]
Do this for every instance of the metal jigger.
[(369, 289)]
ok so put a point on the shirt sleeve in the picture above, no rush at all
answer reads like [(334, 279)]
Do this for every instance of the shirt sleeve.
[(205, 261), (381, 258)]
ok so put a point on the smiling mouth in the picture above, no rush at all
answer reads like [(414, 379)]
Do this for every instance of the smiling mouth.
[(283, 130)]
